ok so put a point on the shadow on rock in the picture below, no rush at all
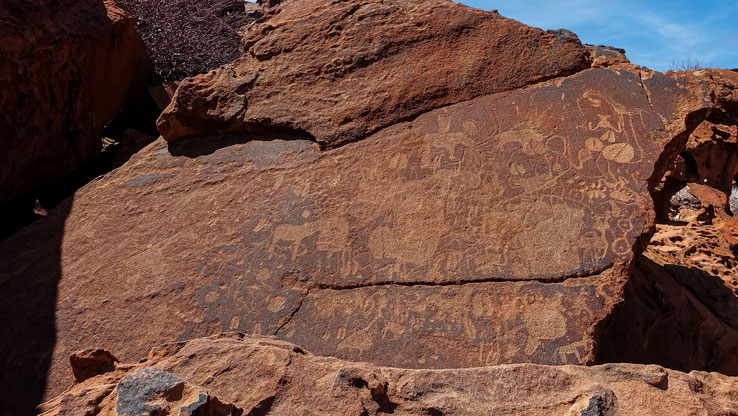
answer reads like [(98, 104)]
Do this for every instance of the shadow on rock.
[(206, 145), (30, 269), (674, 316)]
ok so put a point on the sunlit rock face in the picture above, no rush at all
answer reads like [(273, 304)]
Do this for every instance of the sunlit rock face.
[(417, 185), (284, 379)]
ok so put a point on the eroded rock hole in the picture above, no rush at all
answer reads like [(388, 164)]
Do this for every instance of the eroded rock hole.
[(709, 157), (681, 302), (733, 200), (690, 164)]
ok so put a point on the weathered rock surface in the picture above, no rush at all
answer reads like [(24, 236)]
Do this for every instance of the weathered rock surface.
[(682, 295), (709, 241), (496, 230), (500, 229), (710, 157), (66, 69), (265, 376), (702, 133), (682, 302), (674, 316), (339, 71), (91, 362), (137, 392), (603, 56)]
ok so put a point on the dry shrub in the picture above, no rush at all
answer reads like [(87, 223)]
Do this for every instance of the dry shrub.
[(189, 37), (685, 65)]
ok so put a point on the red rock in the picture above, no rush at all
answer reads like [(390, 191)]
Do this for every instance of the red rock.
[(605, 56), (458, 239), (341, 71), (679, 317), (710, 157), (91, 362), (683, 296), (265, 376), (141, 391), (699, 133), (66, 69), (679, 305), (500, 229), (707, 243)]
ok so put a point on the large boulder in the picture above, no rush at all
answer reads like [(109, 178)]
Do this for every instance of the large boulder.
[(66, 69), (338, 71), (262, 376), (499, 229), (496, 230)]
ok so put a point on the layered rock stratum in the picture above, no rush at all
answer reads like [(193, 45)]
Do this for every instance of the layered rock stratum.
[(454, 211)]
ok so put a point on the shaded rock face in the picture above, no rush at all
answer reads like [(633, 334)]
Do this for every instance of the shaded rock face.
[(681, 301), (338, 71), (66, 68), (283, 379), (91, 362), (676, 316), (62, 77)]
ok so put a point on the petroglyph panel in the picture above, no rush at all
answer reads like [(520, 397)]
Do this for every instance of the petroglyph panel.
[(469, 325), (519, 194), (539, 185)]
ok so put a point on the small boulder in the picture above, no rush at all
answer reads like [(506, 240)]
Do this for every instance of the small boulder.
[(91, 362), (151, 391)]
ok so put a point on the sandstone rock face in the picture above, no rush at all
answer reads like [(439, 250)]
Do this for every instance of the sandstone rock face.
[(682, 295), (338, 71), (701, 132), (283, 379), (66, 68), (143, 391), (496, 230), (675, 316), (704, 249), (710, 157), (91, 362), (709, 241), (489, 215), (712, 148), (603, 56)]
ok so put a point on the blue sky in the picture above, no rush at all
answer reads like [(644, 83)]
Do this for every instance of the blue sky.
[(653, 33)]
